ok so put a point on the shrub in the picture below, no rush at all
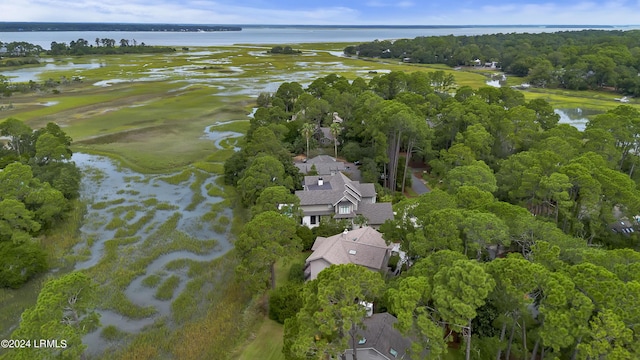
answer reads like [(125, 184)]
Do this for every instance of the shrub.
[(296, 273), (393, 261), (285, 302), (307, 237)]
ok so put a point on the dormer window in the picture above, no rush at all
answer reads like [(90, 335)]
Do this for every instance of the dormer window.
[(344, 209)]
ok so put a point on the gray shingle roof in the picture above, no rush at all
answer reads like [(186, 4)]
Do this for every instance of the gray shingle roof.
[(329, 193), (382, 336), (364, 246), (338, 187), (376, 213), (325, 165)]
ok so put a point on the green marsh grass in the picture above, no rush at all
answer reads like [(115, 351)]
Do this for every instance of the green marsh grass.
[(125, 209), (112, 333), (210, 167), (151, 281), (167, 288), (214, 191), (178, 264), (219, 228), (220, 155), (115, 223), (196, 188), (104, 204), (150, 202), (166, 206), (178, 178), (130, 215), (133, 229)]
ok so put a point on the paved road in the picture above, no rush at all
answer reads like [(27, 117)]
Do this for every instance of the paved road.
[(418, 186)]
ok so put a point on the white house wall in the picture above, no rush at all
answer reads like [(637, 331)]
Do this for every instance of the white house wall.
[(316, 266), (306, 221)]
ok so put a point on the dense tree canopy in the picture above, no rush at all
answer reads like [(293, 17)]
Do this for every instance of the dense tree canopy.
[(577, 60), (37, 181), (514, 245)]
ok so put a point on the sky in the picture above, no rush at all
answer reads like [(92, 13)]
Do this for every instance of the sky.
[(327, 12)]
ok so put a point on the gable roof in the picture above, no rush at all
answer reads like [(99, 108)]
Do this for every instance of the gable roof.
[(380, 334), (364, 246), (325, 165), (332, 189), (376, 213)]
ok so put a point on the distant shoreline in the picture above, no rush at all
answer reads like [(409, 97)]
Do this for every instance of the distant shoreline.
[(54, 27), (134, 27)]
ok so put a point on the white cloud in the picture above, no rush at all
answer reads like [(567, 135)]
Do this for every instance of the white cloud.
[(199, 11), (405, 4), (401, 4), (464, 12), (498, 9), (376, 3)]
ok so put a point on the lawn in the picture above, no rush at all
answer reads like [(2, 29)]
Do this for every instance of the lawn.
[(267, 344)]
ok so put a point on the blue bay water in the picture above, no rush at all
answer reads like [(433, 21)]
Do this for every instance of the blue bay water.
[(272, 35)]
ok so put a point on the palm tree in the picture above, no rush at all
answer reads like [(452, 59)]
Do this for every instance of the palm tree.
[(335, 130), (307, 130)]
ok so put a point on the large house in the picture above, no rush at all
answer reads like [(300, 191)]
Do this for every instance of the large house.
[(364, 247), (324, 165), (379, 340), (341, 198)]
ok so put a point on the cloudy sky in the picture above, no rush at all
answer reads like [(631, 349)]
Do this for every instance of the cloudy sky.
[(327, 12)]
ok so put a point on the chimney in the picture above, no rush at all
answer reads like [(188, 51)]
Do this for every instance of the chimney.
[(320, 181)]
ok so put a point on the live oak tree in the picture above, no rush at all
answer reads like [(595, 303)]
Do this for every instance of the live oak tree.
[(64, 312), (333, 310), (263, 172), (476, 174), (277, 198), (269, 236)]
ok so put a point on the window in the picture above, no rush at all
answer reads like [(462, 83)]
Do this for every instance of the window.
[(344, 209), (312, 220), (393, 352)]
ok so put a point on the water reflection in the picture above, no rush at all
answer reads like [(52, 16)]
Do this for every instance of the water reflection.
[(33, 73), (577, 117)]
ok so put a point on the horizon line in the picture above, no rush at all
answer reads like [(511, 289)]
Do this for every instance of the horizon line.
[(323, 25)]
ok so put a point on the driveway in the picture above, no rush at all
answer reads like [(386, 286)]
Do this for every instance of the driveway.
[(417, 185)]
